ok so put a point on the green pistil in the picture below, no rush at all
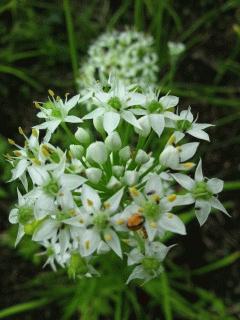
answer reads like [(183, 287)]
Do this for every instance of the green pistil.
[(183, 125), (115, 103), (201, 191), (51, 188), (100, 220), (25, 215), (63, 215), (155, 106), (150, 264), (151, 210)]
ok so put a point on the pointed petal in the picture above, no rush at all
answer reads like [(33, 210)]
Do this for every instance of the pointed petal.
[(112, 203), (71, 103), (112, 240), (130, 118), (72, 119), (171, 222), (215, 185), (202, 211), (184, 180), (71, 181), (188, 150), (90, 199), (215, 203), (169, 101), (46, 230), (198, 173), (13, 216), (157, 123), (90, 242), (19, 170), (110, 121), (200, 134), (95, 113)]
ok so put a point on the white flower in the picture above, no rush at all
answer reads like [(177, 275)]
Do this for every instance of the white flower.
[(175, 157), (176, 48), (97, 152), (56, 111), (99, 231), (114, 105), (149, 262), (184, 123), (201, 192)]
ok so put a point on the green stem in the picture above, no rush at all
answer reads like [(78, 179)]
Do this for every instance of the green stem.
[(69, 133), (167, 310), (71, 38)]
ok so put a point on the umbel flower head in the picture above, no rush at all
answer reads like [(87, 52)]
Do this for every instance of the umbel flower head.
[(117, 183), (129, 55)]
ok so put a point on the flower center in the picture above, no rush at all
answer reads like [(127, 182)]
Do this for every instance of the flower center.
[(25, 215), (151, 210), (201, 191), (51, 188), (183, 125), (115, 103), (155, 106), (150, 263), (100, 220)]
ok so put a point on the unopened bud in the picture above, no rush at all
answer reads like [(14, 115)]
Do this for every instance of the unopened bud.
[(113, 142), (142, 157), (125, 153), (97, 152), (82, 136), (94, 174)]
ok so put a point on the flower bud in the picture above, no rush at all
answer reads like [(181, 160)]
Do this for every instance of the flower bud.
[(82, 136), (130, 177), (142, 157), (170, 157), (113, 141), (98, 124), (97, 152), (76, 151), (94, 174), (118, 170), (146, 126), (113, 183), (125, 153)]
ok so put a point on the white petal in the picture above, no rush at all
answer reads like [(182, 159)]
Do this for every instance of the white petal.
[(130, 118), (38, 175), (114, 201), (13, 216), (169, 101), (90, 199), (215, 185), (198, 173), (50, 125), (136, 99), (215, 203), (90, 242), (183, 200), (71, 103), (186, 115), (110, 121), (19, 170), (157, 123), (95, 113), (185, 181), (188, 150), (137, 273), (134, 257), (112, 240), (154, 184), (44, 206), (171, 222), (72, 119), (20, 234), (151, 229), (71, 181), (200, 134), (46, 230), (178, 136), (64, 240), (202, 211)]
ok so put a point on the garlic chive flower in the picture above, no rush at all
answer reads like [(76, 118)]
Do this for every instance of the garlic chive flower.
[(116, 178)]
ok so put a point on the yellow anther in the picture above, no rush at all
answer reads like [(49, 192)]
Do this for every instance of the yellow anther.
[(172, 197), (81, 220), (35, 132), (37, 105), (107, 237), (51, 93), (45, 151), (170, 215), (106, 205), (58, 98), (11, 141), (134, 192), (87, 244), (188, 165), (89, 202), (36, 161), (17, 153), (153, 224), (20, 130), (155, 197), (120, 221), (67, 94), (72, 212), (179, 148), (141, 210), (171, 139)]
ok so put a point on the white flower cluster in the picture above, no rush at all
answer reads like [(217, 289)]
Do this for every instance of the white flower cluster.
[(115, 189), (129, 55)]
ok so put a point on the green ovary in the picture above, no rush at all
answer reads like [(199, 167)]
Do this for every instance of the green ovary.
[(115, 103), (155, 106), (183, 125), (51, 188), (150, 263), (25, 215), (100, 220), (151, 210), (201, 191)]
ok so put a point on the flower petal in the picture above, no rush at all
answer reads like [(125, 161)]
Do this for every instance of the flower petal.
[(184, 180), (171, 222), (215, 203), (188, 150), (157, 123), (72, 119), (110, 121), (202, 211), (90, 199), (215, 185), (198, 173), (112, 240), (112, 203), (90, 242), (71, 181), (130, 118)]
